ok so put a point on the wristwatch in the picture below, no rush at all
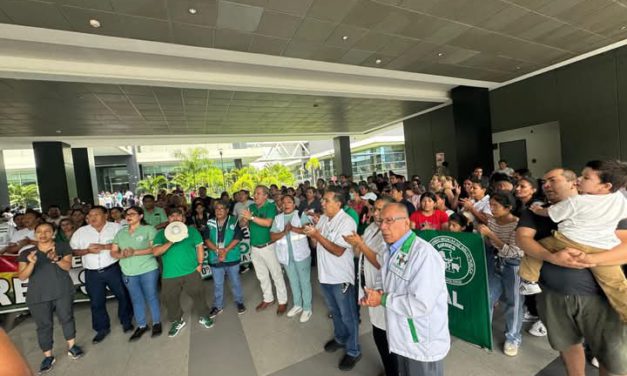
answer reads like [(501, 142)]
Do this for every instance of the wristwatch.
[(252, 217)]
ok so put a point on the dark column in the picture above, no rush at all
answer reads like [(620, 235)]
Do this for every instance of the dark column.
[(342, 159), (133, 170), (473, 129), (4, 184), (238, 163), (55, 173), (85, 174)]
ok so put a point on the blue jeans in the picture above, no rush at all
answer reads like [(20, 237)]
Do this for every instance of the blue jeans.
[(143, 288), (299, 275), (504, 285), (345, 321), (218, 287), (96, 283)]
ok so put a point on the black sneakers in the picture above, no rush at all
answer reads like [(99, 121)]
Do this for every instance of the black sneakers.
[(139, 332), (241, 308), (215, 311), (348, 362), (156, 330), (46, 364), (75, 352), (332, 346)]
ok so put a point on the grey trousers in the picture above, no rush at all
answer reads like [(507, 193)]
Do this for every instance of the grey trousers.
[(411, 367), (42, 314)]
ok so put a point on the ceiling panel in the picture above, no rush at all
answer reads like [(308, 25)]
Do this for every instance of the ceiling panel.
[(41, 108), (533, 32)]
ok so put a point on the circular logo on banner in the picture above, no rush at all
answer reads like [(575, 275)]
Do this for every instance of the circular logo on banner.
[(460, 265)]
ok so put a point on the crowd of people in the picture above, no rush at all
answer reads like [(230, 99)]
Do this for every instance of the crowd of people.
[(554, 249)]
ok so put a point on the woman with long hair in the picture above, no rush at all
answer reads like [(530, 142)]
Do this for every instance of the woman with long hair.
[(133, 246), (65, 231)]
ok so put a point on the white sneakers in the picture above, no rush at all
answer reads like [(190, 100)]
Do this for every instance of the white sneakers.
[(510, 348), (537, 329), (294, 311), (305, 316), (529, 288)]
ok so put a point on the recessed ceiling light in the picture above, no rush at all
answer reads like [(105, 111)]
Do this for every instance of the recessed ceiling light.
[(192, 10), (378, 61), (345, 37), (58, 131), (517, 68), (623, 28), (94, 23), (440, 54)]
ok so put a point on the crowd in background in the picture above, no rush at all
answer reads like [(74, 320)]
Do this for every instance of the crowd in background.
[(495, 205)]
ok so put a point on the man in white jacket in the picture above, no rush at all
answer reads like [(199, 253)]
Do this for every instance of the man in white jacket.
[(414, 296)]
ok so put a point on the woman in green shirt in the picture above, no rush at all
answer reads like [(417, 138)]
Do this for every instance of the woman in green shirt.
[(65, 231), (133, 246)]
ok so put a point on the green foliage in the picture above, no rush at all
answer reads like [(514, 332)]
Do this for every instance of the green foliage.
[(249, 177), (313, 166), (24, 195), (152, 184), (196, 170)]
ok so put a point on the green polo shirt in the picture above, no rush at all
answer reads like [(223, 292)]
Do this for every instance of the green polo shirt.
[(260, 235), (156, 217), (181, 258), (140, 239)]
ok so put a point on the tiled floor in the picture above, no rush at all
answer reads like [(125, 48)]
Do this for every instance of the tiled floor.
[(258, 344)]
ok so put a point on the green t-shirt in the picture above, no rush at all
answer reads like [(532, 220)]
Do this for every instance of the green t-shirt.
[(260, 235), (181, 259), (352, 213), (139, 239), (156, 217)]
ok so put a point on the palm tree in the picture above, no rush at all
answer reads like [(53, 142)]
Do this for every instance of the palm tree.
[(152, 184), (24, 195), (313, 165)]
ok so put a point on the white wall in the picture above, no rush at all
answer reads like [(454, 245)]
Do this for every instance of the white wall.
[(543, 145)]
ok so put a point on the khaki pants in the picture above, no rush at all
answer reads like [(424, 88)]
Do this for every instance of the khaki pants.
[(611, 278), (266, 265)]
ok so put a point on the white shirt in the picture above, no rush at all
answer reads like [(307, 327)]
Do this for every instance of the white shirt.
[(23, 234), (333, 269), (483, 205), (590, 219), (374, 240), (241, 206), (55, 221), (87, 235)]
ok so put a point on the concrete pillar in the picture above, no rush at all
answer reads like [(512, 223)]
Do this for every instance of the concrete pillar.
[(134, 174), (342, 158), (85, 174), (55, 174), (4, 185), (473, 129)]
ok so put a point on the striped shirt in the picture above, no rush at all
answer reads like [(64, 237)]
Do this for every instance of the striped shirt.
[(507, 234)]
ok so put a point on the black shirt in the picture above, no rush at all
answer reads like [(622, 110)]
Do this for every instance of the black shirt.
[(48, 281), (314, 205), (410, 207), (565, 281)]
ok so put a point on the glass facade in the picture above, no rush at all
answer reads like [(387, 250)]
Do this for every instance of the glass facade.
[(379, 159), (22, 177)]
